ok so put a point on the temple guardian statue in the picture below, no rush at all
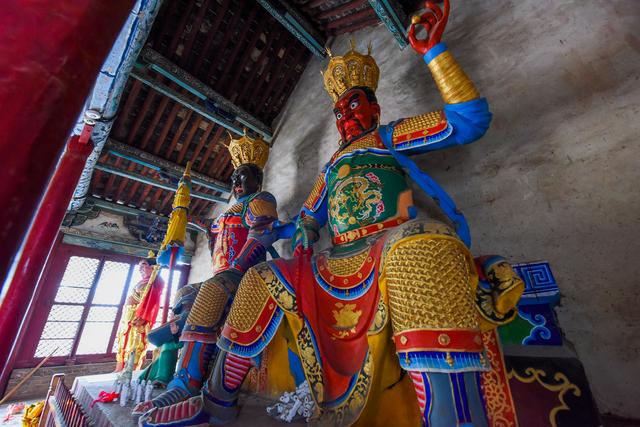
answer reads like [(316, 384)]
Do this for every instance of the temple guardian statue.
[(240, 236), (387, 321), (139, 315)]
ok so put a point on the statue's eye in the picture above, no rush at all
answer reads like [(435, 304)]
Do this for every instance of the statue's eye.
[(338, 116), (354, 105)]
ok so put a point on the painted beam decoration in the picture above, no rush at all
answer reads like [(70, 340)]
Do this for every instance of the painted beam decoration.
[(159, 164), (393, 17), (109, 86), (296, 24), (150, 181), (190, 104), (212, 99)]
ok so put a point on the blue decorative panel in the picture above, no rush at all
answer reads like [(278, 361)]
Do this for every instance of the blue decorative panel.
[(540, 285), (545, 329)]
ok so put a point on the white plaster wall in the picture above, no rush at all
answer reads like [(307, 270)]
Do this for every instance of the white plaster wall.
[(557, 175), (201, 267)]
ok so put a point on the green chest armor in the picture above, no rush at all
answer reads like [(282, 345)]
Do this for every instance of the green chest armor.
[(367, 192)]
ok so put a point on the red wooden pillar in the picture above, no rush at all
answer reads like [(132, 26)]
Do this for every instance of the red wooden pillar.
[(50, 54), (38, 246)]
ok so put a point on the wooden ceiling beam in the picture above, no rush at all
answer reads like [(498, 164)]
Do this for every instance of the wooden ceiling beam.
[(253, 73), (261, 28), (234, 54), (177, 35), (348, 20), (315, 3), (374, 20), (154, 122), (225, 42), (273, 75), (150, 181), (178, 134), (143, 158), (148, 100), (296, 24), (215, 26), (195, 29), (154, 200), (210, 146), (201, 142), (123, 114), (349, 6), (167, 127), (393, 17), (276, 93), (192, 133), (189, 103)]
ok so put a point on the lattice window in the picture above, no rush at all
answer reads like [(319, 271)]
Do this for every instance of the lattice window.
[(100, 321), (60, 331), (82, 320), (87, 307)]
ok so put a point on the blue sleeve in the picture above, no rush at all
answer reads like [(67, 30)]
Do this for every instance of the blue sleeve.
[(320, 215)]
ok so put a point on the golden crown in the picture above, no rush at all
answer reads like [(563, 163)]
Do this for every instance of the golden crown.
[(248, 150), (350, 70)]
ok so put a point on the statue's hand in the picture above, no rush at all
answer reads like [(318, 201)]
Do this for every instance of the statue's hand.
[(306, 234), (433, 21)]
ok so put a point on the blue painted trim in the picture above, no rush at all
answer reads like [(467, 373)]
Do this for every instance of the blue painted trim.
[(427, 140), (390, 19), (457, 397), (303, 37), (435, 361), (344, 294), (176, 80), (540, 284), (434, 52), (429, 186), (253, 350), (304, 32), (428, 398), (136, 160)]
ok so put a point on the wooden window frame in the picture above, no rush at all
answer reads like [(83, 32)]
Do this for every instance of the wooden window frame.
[(51, 279)]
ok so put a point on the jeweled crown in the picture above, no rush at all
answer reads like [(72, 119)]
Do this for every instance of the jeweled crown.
[(248, 150), (350, 70)]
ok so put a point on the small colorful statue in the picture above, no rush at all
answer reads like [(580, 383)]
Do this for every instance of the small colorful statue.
[(166, 338), (139, 315), (242, 234)]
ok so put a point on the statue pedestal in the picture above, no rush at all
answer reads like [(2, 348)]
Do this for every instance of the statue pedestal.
[(86, 389)]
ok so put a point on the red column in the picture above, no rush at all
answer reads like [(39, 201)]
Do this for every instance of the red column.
[(50, 54), (38, 246)]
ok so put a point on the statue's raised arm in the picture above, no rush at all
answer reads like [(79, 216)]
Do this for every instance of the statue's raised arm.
[(465, 116)]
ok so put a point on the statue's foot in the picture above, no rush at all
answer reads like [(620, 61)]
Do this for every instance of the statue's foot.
[(165, 399), (191, 412)]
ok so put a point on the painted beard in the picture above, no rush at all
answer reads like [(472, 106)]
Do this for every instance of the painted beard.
[(353, 129)]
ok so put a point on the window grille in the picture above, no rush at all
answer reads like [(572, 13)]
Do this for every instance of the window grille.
[(83, 319)]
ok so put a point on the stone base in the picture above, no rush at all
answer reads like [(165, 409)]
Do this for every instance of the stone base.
[(86, 389)]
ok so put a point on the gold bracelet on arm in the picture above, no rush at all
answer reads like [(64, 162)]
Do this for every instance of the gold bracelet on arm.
[(452, 82)]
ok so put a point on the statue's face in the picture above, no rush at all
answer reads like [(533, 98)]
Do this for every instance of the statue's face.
[(244, 181), (145, 268), (355, 115)]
